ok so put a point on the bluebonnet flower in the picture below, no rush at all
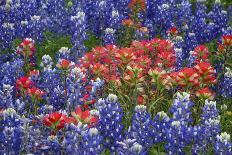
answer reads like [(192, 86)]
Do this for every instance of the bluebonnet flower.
[(96, 85), (72, 140), (161, 122), (181, 108), (10, 71), (179, 133), (223, 144), (92, 142), (109, 36), (226, 84), (64, 53), (79, 33), (130, 147), (110, 123), (6, 97), (46, 63), (141, 127), (11, 132), (190, 42), (209, 128)]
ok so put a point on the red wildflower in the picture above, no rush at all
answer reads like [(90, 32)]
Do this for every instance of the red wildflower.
[(162, 45), (206, 72), (34, 73), (172, 31), (166, 60), (125, 55), (55, 120), (221, 48), (140, 99), (201, 53), (84, 117), (26, 48), (169, 80), (227, 40), (137, 5), (99, 69), (35, 93), (23, 83), (134, 73), (187, 77), (64, 64), (205, 93), (128, 22)]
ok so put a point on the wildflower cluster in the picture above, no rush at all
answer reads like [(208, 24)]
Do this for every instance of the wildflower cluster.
[(151, 82)]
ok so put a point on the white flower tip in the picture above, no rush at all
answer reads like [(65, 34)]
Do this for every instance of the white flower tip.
[(93, 131), (112, 98), (140, 108)]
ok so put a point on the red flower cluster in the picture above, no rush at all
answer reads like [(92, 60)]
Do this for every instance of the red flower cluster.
[(227, 40), (84, 117), (202, 74), (206, 72), (25, 86), (64, 64), (172, 31), (111, 62), (147, 63), (205, 93), (201, 53), (34, 73), (187, 77), (23, 83), (35, 93), (26, 48), (57, 120), (137, 5), (226, 43)]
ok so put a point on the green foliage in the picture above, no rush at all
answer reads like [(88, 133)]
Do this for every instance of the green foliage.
[(92, 41), (157, 150), (125, 36), (226, 115), (209, 3), (106, 152), (51, 44)]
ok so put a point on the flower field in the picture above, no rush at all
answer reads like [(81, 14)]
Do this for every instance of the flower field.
[(120, 77)]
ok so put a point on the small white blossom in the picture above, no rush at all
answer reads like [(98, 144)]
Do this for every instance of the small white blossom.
[(165, 6), (228, 72), (94, 112), (109, 31), (93, 131), (115, 14), (140, 108), (224, 137), (224, 107), (112, 98), (136, 148), (8, 25), (35, 18), (176, 123), (210, 103), (24, 22), (183, 96)]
